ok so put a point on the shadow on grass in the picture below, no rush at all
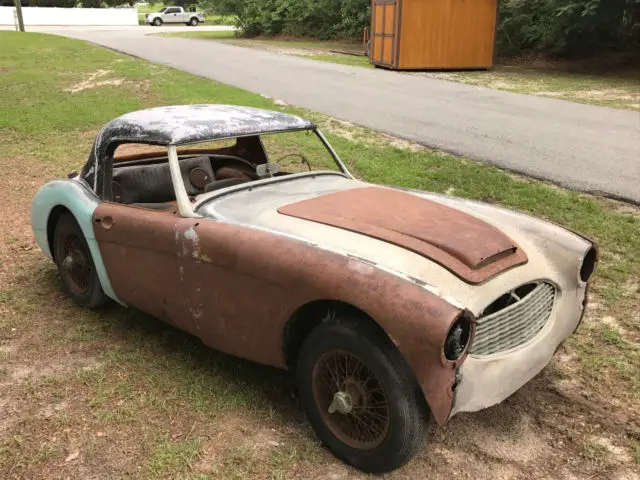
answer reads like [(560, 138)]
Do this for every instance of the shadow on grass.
[(163, 364)]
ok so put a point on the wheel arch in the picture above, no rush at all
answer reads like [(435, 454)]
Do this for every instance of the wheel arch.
[(52, 221), (308, 316), (53, 200)]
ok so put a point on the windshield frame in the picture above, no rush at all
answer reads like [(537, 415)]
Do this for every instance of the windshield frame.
[(188, 209)]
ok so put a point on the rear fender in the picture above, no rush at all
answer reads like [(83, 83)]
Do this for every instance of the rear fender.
[(81, 202)]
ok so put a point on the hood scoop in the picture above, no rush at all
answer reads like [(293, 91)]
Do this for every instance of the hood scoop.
[(468, 247)]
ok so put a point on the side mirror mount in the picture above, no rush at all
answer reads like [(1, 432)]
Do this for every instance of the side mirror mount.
[(267, 170)]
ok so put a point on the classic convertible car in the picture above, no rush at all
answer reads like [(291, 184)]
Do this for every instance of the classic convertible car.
[(391, 307)]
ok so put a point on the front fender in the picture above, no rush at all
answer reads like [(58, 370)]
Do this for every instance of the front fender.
[(255, 280), (81, 202)]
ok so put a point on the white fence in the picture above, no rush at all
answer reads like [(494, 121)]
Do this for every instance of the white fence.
[(70, 16)]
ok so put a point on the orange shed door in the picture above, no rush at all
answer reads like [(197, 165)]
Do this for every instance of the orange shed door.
[(383, 32)]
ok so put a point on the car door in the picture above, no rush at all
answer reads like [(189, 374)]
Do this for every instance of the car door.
[(175, 16), (233, 306), (138, 248)]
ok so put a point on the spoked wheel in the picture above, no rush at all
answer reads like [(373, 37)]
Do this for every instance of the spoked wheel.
[(157, 22), (360, 396), (75, 264), (352, 401), (194, 22)]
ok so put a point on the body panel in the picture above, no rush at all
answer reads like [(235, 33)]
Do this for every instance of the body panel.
[(251, 282), (487, 380), (554, 253), (81, 202), (470, 248), (139, 251)]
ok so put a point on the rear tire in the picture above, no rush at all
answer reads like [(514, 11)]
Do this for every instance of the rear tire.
[(157, 22), (75, 264), (360, 396), (194, 22)]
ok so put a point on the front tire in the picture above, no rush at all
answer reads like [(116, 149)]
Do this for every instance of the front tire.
[(360, 396), (194, 22), (157, 22), (75, 264)]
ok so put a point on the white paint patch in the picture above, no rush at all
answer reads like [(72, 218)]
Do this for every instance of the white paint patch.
[(360, 267)]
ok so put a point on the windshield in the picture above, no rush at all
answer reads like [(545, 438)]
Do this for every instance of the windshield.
[(142, 174), (297, 152)]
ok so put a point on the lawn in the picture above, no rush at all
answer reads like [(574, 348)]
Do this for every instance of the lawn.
[(610, 88), (116, 394), (619, 89)]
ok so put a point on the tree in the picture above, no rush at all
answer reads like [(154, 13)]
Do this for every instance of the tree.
[(564, 27)]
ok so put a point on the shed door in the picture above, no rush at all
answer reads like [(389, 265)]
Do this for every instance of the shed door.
[(383, 32)]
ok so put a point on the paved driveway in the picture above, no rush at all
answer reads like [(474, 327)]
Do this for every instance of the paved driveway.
[(580, 146)]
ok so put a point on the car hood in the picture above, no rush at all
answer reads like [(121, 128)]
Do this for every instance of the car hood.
[(469, 236), (470, 248)]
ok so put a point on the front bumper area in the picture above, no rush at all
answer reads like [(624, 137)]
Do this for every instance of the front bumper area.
[(488, 380)]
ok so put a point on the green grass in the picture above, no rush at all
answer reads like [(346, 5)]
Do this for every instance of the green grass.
[(608, 90), (202, 34), (341, 59), (146, 382), (318, 46), (172, 456)]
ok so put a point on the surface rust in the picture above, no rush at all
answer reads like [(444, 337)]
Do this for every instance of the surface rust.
[(470, 248), (236, 288)]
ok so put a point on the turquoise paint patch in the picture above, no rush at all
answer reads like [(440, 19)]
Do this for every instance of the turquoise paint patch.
[(81, 203)]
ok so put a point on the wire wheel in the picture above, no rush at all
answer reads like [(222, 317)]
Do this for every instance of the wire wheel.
[(76, 267), (351, 399)]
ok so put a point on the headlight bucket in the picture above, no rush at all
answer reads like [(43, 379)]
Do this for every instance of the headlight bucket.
[(589, 263), (459, 337)]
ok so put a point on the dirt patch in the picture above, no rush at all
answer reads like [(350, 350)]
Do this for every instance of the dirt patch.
[(607, 94), (357, 134), (94, 81)]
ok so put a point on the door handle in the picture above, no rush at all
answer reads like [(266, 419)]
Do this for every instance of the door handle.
[(106, 222)]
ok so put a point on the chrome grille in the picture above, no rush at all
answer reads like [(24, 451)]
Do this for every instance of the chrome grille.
[(515, 324)]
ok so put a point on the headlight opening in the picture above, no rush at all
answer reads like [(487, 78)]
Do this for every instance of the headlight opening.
[(458, 338)]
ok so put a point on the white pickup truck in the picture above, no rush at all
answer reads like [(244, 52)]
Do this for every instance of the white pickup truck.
[(174, 15)]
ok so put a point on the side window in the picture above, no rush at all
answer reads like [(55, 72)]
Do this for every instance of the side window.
[(142, 177), (173, 10)]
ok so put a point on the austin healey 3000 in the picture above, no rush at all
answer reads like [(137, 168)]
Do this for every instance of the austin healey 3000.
[(391, 307)]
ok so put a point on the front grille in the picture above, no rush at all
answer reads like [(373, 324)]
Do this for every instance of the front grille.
[(506, 327)]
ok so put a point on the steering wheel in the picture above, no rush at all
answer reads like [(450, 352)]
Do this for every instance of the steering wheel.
[(299, 155), (237, 159)]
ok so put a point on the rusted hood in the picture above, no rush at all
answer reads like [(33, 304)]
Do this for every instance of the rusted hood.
[(468, 247)]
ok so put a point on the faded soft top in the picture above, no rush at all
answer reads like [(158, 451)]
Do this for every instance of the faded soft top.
[(180, 125)]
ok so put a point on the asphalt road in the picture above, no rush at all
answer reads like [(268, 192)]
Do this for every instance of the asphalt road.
[(583, 147)]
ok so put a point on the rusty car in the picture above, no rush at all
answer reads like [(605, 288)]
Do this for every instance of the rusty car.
[(393, 309)]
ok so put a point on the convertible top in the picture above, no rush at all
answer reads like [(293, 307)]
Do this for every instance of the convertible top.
[(181, 125)]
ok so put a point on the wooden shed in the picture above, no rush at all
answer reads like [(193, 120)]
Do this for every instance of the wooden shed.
[(433, 34)]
